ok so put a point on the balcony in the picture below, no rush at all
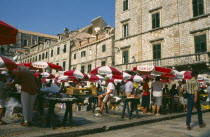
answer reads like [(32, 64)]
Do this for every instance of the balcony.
[(184, 60)]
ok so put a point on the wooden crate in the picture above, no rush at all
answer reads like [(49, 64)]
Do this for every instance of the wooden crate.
[(78, 91)]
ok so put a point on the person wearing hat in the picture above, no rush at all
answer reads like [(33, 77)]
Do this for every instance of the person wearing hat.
[(105, 97)]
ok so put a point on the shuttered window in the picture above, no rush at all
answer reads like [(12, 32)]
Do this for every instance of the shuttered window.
[(125, 57), (51, 53), (75, 56), (89, 68), (200, 43), (155, 20), (46, 54), (125, 5), (198, 7), (157, 51), (64, 49), (83, 69), (125, 30), (58, 50), (43, 56), (103, 48), (103, 63), (64, 65)]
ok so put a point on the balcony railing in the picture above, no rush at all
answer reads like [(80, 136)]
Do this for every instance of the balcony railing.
[(189, 59)]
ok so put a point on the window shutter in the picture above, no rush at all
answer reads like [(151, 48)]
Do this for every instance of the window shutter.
[(125, 57), (157, 20), (200, 43), (195, 10), (153, 21)]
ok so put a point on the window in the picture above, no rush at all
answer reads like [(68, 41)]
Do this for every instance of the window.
[(43, 56), (125, 30), (39, 57), (30, 59), (64, 49), (83, 53), (33, 59), (74, 68), (198, 8), (125, 57), (36, 58), (58, 50), (200, 43), (156, 20), (75, 56), (103, 48), (89, 68), (51, 53), (64, 65), (57, 64), (46, 54), (83, 69), (25, 43), (157, 51), (103, 63), (125, 5)]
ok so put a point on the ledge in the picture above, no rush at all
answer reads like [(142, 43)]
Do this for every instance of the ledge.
[(155, 9), (125, 20), (199, 30), (198, 17), (125, 47), (159, 39)]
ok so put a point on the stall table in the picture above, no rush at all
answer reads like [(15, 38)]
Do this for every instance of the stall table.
[(134, 101), (68, 113)]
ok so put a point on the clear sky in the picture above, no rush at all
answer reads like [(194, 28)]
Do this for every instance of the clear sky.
[(52, 16)]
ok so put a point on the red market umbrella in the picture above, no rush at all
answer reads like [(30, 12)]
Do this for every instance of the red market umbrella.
[(62, 78), (7, 34), (28, 65), (183, 74), (6, 63), (44, 65), (75, 74), (45, 75), (94, 78), (152, 70), (136, 78), (105, 70), (123, 75)]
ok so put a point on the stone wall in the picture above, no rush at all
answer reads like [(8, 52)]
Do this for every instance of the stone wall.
[(176, 33)]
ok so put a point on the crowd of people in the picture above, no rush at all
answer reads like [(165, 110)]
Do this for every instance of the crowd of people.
[(151, 92), (156, 93)]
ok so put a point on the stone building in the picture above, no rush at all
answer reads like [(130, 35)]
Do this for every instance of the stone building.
[(25, 40), (82, 49), (168, 33)]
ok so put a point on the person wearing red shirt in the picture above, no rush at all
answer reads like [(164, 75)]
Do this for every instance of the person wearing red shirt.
[(145, 96)]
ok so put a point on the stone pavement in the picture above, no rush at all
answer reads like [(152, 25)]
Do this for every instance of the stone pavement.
[(169, 128), (84, 123)]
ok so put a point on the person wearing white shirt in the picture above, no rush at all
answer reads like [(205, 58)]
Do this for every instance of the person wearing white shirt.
[(157, 86), (105, 97), (129, 87)]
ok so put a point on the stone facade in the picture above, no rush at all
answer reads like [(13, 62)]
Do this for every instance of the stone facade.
[(89, 39), (25, 39), (176, 33)]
